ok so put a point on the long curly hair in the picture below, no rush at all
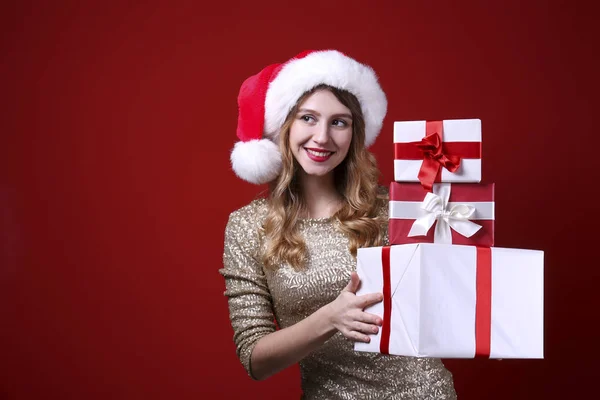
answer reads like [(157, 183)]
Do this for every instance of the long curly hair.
[(356, 180)]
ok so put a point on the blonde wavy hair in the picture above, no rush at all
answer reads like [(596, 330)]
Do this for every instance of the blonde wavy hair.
[(356, 180)]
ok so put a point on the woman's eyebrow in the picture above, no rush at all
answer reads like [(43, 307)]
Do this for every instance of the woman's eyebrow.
[(308, 110), (345, 115)]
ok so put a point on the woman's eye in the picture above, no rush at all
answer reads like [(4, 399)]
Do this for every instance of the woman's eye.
[(339, 122), (307, 118)]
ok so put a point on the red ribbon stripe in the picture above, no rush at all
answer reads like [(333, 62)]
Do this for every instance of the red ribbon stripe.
[(410, 151), (384, 344), (483, 306)]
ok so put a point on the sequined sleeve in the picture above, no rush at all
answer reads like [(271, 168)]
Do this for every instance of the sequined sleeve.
[(250, 302)]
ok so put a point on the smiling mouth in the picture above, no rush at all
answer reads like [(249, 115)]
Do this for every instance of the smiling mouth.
[(318, 153)]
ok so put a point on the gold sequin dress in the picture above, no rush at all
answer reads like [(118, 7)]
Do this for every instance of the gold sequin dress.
[(335, 371)]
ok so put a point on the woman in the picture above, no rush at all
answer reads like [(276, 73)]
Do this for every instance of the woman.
[(304, 126)]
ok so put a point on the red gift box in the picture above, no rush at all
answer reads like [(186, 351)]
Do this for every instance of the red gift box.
[(452, 214)]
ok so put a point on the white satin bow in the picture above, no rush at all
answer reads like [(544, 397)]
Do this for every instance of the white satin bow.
[(436, 208)]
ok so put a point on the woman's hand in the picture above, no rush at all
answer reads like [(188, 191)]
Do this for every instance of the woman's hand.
[(347, 316)]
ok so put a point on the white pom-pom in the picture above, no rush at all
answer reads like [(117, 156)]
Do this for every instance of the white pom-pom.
[(256, 161)]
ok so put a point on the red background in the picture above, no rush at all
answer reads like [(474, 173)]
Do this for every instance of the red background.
[(115, 184)]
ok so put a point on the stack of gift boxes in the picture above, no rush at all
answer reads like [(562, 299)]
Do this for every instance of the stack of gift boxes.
[(448, 292)]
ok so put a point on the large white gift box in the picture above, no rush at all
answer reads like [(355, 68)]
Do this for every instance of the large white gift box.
[(455, 301)]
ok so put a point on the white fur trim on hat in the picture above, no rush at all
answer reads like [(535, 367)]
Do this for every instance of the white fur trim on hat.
[(332, 68), (256, 161)]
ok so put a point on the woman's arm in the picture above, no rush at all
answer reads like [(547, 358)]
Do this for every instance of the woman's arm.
[(262, 349), (278, 350)]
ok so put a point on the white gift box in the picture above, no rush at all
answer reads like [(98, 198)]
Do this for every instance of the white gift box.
[(437, 305), (459, 137)]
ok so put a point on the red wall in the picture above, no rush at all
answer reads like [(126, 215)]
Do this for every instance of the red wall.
[(115, 184)]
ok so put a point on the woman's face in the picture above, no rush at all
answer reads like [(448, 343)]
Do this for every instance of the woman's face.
[(321, 133)]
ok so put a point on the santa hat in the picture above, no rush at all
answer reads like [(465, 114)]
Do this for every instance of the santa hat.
[(265, 100)]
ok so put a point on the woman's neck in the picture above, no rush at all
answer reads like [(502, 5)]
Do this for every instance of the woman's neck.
[(320, 195)]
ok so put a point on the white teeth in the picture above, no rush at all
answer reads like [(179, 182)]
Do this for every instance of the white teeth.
[(319, 153)]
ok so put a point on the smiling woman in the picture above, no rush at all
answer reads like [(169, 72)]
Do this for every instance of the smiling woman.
[(321, 132), (304, 127)]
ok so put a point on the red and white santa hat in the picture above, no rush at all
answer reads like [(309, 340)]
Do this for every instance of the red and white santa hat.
[(265, 100)]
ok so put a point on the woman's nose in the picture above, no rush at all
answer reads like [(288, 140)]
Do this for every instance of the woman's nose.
[(321, 134)]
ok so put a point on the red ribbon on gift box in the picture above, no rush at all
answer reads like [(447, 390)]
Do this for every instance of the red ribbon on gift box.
[(384, 344), (483, 305), (436, 153)]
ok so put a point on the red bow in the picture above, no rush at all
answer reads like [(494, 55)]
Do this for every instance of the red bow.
[(434, 159), (436, 153)]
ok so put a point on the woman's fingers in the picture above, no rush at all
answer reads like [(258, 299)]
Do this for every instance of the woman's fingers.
[(368, 318), (352, 321), (369, 329), (357, 336), (353, 284), (367, 300)]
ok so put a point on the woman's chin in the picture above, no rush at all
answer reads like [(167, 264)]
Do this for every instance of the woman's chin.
[(317, 172), (312, 168)]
